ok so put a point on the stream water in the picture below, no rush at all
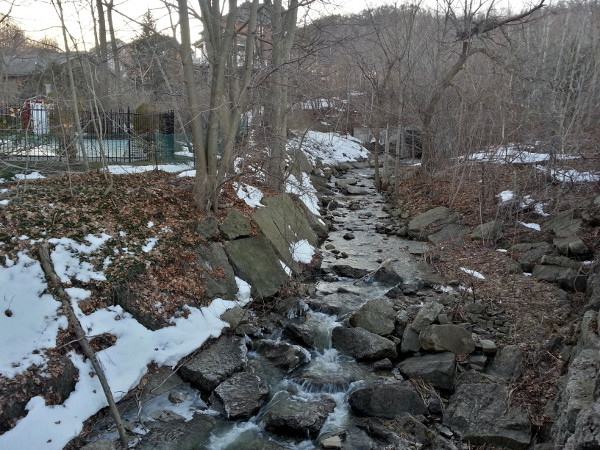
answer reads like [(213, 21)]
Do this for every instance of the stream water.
[(328, 371)]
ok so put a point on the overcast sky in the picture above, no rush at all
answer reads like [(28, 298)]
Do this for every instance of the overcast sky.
[(40, 19)]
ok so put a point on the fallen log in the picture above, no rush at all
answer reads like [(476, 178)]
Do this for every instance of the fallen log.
[(59, 293)]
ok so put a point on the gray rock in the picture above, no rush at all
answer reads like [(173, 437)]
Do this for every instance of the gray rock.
[(287, 414), (219, 277), (215, 363), (235, 316), (362, 344), (439, 369), (235, 226), (167, 416), (427, 314), (508, 364), (431, 222), (177, 397), (452, 338), (571, 246), (346, 271), (282, 354), (452, 232), (567, 278), (376, 316), (208, 229), (410, 341), (487, 346), (283, 221), (301, 333), (530, 254), (388, 276), (488, 231), (241, 395), (578, 403), (564, 224), (355, 190), (255, 261), (422, 434), (480, 414), (386, 400)]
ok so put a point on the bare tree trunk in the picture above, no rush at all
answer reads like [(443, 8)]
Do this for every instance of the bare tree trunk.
[(201, 190), (114, 51), (58, 5), (284, 32)]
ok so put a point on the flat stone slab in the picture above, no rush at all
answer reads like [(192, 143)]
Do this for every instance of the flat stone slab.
[(215, 363)]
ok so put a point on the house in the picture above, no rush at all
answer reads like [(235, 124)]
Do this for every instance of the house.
[(23, 73)]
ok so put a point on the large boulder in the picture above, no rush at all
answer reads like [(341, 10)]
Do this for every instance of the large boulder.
[(426, 315), (488, 231), (288, 414), (480, 413), (564, 224), (235, 226), (386, 400), (362, 344), (431, 222), (255, 261), (508, 364), (283, 222), (452, 233), (215, 363), (530, 254), (439, 369), (566, 277), (449, 337), (219, 277), (240, 396), (377, 316)]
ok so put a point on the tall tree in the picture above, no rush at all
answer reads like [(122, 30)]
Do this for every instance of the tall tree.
[(284, 24)]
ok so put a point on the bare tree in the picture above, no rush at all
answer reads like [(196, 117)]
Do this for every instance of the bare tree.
[(475, 21)]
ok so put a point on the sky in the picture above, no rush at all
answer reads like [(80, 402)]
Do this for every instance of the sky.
[(39, 18)]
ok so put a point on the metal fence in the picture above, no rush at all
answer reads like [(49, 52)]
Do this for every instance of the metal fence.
[(44, 131)]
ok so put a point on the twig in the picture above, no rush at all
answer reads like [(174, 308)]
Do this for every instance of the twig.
[(59, 292)]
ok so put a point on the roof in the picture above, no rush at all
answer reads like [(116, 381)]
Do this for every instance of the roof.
[(27, 63)]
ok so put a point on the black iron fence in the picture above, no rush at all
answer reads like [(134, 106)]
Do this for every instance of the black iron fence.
[(44, 131)]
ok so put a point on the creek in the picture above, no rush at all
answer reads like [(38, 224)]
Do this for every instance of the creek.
[(352, 253)]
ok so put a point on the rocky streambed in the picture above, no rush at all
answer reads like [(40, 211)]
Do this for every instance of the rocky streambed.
[(377, 352)]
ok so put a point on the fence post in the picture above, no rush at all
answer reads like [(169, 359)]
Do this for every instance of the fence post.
[(128, 125)]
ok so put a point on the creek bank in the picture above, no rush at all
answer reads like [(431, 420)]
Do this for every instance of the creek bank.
[(429, 373)]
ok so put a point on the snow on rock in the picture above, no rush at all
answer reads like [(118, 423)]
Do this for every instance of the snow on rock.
[(29, 320), (302, 251), (305, 190), (473, 273), (29, 176), (330, 148), (250, 194), (533, 226), (505, 196), (571, 175), (4, 202)]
